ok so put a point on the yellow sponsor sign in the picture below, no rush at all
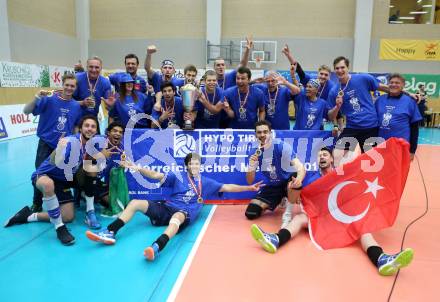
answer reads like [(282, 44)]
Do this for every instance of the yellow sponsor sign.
[(409, 50)]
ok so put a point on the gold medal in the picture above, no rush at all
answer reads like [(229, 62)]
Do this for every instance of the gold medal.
[(123, 156), (242, 110), (200, 200), (341, 93), (258, 152)]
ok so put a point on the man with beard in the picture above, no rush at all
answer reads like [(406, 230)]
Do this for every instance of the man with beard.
[(55, 177), (171, 113), (273, 158), (386, 264)]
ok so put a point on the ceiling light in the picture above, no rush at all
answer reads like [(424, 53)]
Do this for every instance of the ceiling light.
[(418, 13), (407, 18)]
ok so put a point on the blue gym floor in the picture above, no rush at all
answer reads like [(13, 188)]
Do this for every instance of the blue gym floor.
[(34, 266)]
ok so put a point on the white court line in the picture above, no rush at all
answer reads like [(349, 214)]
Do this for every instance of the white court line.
[(186, 266)]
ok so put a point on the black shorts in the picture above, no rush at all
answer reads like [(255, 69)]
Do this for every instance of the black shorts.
[(272, 195), (160, 214), (361, 135), (101, 189), (63, 190)]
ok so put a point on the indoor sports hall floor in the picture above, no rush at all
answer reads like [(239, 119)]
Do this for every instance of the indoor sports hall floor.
[(216, 259)]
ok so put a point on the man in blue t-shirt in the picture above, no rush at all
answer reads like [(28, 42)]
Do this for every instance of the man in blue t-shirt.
[(171, 113), (352, 96), (189, 190), (283, 173), (210, 103), (131, 62), (92, 87), (244, 104), (386, 264), (70, 165), (398, 114), (166, 74), (278, 92), (310, 109), (59, 115)]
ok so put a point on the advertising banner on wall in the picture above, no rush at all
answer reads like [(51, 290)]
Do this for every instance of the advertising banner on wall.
[(23, 75), (409, 50), (14, 123), (56, 74)]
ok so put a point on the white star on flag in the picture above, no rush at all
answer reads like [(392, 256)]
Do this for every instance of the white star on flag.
[(373, 187)]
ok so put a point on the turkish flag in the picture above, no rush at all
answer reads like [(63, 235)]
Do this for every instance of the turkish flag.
[(360, 197)]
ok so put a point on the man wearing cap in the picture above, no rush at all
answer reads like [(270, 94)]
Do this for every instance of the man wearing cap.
[(92, 87), (310, 109), (166, 74), (131, 66)]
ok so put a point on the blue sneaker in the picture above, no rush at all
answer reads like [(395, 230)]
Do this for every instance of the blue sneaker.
[(268, 241), (389, 264), (151, 252), (106, 236), (92, 221)]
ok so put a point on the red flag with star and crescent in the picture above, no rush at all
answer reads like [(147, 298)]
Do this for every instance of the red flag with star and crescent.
[(359, 197)]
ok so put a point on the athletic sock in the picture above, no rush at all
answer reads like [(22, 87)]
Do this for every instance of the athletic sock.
[(162, 241), (53, 209), (33, 217), (116, 225), (283, 236), (89, 203), (374, 253)]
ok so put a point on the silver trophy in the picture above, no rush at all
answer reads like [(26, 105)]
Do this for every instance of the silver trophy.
[(189, 94)]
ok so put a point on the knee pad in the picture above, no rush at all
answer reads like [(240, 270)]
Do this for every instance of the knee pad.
[(174, 221), (89, 186), (253, 211)]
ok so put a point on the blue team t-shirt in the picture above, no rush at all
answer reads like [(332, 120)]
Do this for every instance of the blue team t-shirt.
[(73, 158), (124, 110), (274, 162), (184, 197), (57, 116), (178, 113), (279, 118), (111, 162), (396, 114), (157, 79), (102, 88), (309, 114), (139, 83), (205, 119), (358, 106), (229, 80), (254, 101), (323, 90)]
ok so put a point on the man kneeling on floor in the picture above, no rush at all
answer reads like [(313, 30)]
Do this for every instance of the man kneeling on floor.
[(182, 209)]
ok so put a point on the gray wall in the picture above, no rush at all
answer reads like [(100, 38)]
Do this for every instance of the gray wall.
[(37, 46), (181, 51), (377, 65)]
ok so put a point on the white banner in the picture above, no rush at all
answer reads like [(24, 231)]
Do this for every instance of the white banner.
[(14, 123), (56, 74), (23, 75)]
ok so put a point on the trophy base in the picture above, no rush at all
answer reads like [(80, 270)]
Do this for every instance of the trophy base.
[(188, 126)]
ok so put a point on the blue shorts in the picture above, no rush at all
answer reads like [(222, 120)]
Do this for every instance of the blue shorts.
[(160, 214), (272, 195)]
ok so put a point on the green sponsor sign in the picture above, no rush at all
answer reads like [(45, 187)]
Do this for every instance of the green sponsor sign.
[(23, 75), (431, 82)]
